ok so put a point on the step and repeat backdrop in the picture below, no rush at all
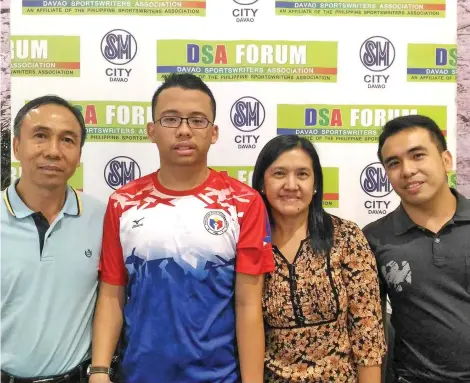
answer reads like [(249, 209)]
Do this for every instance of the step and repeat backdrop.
[(331, 71)]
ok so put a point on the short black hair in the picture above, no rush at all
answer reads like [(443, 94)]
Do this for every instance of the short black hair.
[(320, 223), (399, 124), (48, 100), (185, 81)]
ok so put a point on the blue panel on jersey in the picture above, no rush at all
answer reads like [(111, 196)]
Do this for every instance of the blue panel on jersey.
[(180, 320)]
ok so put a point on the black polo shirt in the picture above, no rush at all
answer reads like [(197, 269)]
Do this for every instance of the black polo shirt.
[(427, 278)]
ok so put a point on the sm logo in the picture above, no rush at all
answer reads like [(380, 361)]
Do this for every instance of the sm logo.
[(377, 53), (374, 181), (118, 47), (247, 114), (121, 170)]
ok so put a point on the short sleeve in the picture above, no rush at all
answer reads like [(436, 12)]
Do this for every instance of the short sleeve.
[(365, 323), (112, 268), (254, 248)]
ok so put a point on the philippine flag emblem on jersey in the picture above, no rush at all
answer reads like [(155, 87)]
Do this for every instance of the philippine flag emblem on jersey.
[(215, 222)]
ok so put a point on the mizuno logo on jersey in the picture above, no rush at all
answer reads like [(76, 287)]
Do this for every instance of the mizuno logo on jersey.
[(137, 223)]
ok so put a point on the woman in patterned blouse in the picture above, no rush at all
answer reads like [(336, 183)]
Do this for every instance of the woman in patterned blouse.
[(321, 304)]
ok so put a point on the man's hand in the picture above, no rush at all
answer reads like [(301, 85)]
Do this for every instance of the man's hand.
[(99, 378)]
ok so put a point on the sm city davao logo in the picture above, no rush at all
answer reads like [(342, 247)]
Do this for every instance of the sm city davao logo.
[(244, 13), (121, 170), (377, 55), (247, 115), (215, 222), (375, 183), (119, 48)]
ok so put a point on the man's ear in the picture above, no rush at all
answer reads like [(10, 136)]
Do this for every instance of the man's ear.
[(215, 134), (151, 128), (16, 147), (447, 160)]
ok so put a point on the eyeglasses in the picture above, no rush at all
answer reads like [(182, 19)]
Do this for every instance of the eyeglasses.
[(175, 122)]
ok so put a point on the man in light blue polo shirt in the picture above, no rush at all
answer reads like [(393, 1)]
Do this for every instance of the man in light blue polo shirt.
[(50, 249)]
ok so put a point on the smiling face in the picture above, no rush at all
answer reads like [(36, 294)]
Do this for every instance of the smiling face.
[(289, 183), (48, 146), (415, 166), (183, 145)]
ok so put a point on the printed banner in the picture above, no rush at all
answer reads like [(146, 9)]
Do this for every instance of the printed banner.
[(45, 56), (115, 7), (76, 181), (330, 181), (270, 75), (248, 60), (115, 121), (348, 123), (393, 8), (432, 62)]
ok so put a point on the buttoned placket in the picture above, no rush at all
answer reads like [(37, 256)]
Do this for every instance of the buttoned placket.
[(41, 222)]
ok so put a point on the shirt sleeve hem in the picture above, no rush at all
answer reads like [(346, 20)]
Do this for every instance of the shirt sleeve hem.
[(264, 263), (368, 362), (112, 280), (254, 270)]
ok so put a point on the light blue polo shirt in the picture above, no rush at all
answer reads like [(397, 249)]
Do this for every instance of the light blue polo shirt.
[(48, 296)]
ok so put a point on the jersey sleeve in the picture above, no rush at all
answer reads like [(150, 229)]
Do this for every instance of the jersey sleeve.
[(112, 268), (254, 249)]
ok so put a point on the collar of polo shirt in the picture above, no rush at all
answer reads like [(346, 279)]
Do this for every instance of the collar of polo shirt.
[(18, 208), (402, 222)]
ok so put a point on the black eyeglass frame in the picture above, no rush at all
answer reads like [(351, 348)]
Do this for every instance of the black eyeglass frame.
[(187, 119)]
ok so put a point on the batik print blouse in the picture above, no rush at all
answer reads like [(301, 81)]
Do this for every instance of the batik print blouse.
[(322, 313)]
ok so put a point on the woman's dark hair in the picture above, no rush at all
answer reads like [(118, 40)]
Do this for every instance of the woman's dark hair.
[(320, 223)]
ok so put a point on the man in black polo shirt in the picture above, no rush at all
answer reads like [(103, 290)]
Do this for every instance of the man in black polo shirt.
[(423, 255)]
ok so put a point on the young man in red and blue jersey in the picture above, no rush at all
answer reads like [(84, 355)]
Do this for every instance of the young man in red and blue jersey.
[(185, 250)]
